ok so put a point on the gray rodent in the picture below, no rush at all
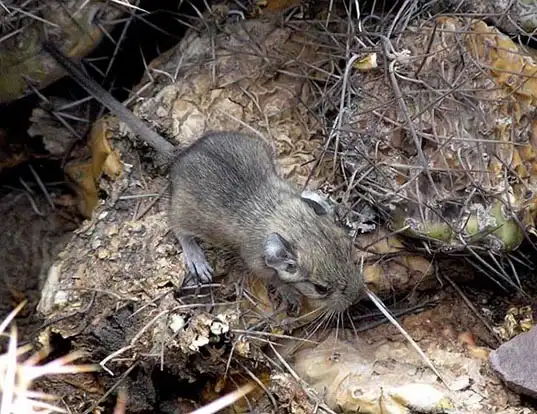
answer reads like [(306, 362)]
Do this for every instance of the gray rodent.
[(225, 189)]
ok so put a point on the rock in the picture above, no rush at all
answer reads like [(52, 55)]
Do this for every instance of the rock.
[(516, 364)]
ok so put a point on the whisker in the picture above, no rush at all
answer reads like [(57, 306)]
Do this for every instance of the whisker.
[(325, 319), (352, 323), (338, 318)]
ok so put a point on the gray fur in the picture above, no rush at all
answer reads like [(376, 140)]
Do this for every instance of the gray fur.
[(225, 190)]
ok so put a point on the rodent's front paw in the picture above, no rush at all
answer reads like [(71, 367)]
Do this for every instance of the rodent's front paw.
[(199, 269), (198, 273), (289, 298)]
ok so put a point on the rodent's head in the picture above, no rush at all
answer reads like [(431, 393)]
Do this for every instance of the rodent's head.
[(315, 255)]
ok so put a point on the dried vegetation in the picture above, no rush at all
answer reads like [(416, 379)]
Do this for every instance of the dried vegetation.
[(416, 121)]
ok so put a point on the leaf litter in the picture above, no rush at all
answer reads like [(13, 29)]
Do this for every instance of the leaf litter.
[(123, 272)]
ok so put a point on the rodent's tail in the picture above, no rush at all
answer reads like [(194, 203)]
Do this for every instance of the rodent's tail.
[(159, 144)]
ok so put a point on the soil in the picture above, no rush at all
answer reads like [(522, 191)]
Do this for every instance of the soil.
[(112, 285)]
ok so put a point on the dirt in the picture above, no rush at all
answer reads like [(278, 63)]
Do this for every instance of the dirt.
[(33, 234), (112, 286)]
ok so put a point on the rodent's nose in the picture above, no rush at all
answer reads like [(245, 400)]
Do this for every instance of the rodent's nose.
[(342, 301), (350, 296)]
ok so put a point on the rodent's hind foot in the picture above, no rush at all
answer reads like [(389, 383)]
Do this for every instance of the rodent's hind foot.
[(195, 261)]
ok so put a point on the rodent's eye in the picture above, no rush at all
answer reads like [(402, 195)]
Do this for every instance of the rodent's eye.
[(291, 268), (320, 289)]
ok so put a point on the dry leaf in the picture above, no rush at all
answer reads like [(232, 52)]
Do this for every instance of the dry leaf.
[(81, 173), (105, 159), (366, 63), (86, 174)]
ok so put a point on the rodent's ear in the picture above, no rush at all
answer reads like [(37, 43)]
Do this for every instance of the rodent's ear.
[(320, 205), (278, 254)]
